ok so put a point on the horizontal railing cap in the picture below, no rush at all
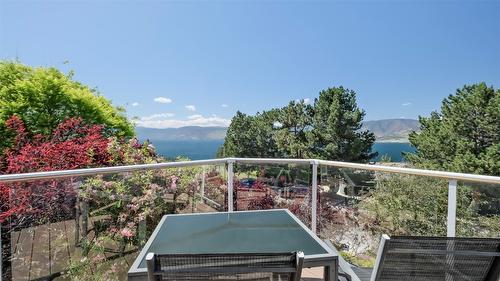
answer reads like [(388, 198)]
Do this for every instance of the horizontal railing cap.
[(165, 165)]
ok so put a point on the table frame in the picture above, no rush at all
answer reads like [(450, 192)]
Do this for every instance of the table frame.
[(328, 260)]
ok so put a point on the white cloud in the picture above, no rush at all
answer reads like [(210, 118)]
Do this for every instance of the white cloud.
[(406, 104), (193, 120), (163, 100), (223, 105), (190, 107), (306, 100), (134, 104), (157, 116), (196, 116)]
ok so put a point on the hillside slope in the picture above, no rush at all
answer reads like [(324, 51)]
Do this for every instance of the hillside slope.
[(392, 129)]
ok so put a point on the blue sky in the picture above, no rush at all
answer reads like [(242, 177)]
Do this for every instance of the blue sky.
[(196, 63)]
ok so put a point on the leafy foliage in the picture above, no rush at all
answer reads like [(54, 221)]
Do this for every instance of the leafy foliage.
[(397, 202), (292, 134), (329, 129), (353, 259), (44, 97), (336, 127), (130, 205), (262, 203), (410, 205), (250, 136), (239, 136), (72, 145), (125, 207), (464, 136)]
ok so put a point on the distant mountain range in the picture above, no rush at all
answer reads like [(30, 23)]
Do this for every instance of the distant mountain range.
[(388, 130), (392, 130), (182, 133)]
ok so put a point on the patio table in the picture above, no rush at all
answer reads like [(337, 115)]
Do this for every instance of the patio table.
[(266, 231)]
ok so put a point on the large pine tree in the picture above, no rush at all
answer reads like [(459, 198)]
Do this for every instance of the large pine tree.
[(464, 136), (336, 131), (329, 129)]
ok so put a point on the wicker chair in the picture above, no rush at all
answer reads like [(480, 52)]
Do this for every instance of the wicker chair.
[(225, 267), (404, 258)]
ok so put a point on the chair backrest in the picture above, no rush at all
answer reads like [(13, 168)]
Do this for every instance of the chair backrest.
[(405, 258), (222, 267)]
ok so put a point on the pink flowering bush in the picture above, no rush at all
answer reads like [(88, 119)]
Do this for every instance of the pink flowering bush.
[(121, 210), (130, 205)]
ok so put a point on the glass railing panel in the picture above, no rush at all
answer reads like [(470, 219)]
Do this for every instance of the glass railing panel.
[(358, 206), (273, 186), (92, 227), (76, 228), (478, 210), (211, 191), (41, 227), (117, 213)]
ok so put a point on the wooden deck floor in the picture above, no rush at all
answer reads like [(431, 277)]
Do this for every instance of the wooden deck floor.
[(45, 251)]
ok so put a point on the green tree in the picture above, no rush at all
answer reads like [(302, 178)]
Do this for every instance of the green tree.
[(291, 135), (264, 126), (239, 140), (411, 205), (337, 121), (330, 129), (45, 97), (464, 136), (250, 136)]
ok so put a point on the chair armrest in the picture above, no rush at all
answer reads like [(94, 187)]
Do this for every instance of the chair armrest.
[(300, 262), (150, 264)]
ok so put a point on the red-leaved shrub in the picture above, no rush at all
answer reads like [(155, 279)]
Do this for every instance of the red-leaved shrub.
[(72, 145)]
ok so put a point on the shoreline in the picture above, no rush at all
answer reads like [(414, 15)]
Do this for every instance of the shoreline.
[(393, 141)]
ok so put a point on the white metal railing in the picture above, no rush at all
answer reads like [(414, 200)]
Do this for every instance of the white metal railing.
[(314, 163), (230, 176)]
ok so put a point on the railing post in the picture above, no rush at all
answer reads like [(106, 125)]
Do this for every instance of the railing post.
[(202, 188), (230, 176), (452, 208), (142, 229), (314, 197), (85, 220), (1, 253), (77, 221)]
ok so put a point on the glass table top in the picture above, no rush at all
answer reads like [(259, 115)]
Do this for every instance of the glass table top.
[(237, 232)]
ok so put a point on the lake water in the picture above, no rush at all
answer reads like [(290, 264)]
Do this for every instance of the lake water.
[(197, 150), (392, 149), (194, 150)]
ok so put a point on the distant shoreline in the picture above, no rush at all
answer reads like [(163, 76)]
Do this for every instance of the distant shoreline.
[(386, 131), (222, 140), (207, 149), (393, 141)]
